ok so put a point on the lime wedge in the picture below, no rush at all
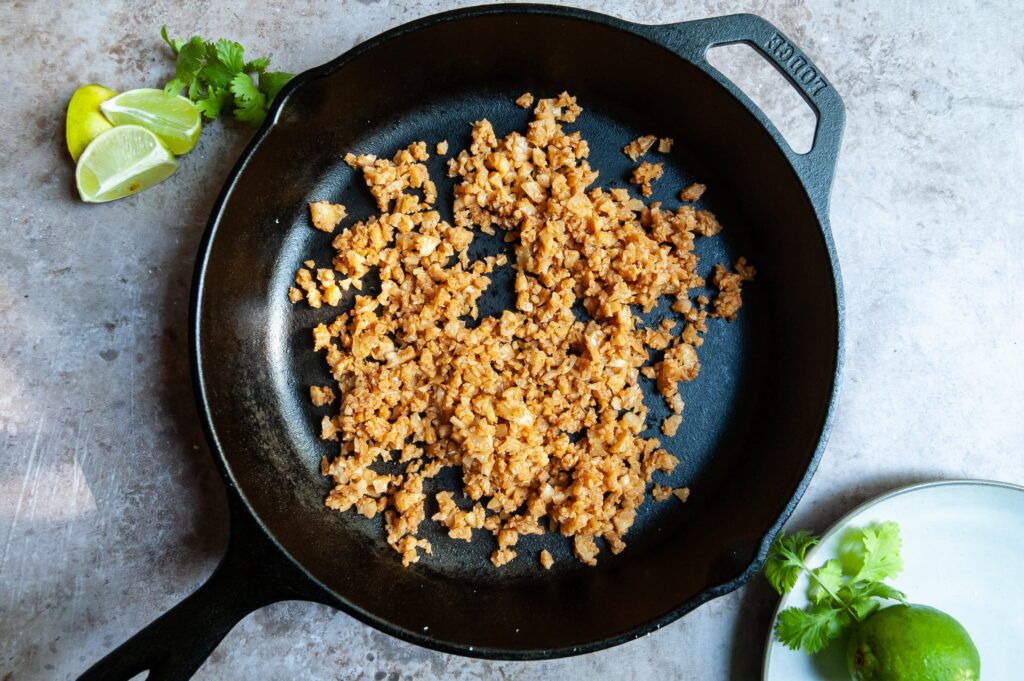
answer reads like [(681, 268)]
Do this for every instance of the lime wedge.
[(84, 120), (173, 118), (120, 162)]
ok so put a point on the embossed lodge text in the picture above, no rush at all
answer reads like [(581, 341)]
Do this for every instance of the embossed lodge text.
[(795, 64)]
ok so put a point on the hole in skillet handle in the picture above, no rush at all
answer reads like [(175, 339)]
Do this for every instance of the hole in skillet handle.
[(692, 41), (766, 87)]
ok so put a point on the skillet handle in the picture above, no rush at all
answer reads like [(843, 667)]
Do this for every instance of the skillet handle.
[(252, 574), (816, 168)]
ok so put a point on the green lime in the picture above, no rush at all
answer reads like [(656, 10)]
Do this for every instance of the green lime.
[(912, 643), (122, 161), (174, 118), (84, 121)]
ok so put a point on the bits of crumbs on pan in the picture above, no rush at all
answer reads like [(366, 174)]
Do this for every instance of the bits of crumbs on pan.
[(661, 492), (546, 560), (665, 144), (330, 291), (304, 278), (441, 148), (682, 493), (525, 100), (670, 426), (729, 299), (328, 431), (638, 147), (321, 395), (692, 192), (325, 289), (542, 412), (680, 363), (388, 180), (309, 263), (326, 215), (646, 173)]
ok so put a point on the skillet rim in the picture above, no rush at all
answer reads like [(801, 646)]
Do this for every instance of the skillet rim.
[(237, 499)]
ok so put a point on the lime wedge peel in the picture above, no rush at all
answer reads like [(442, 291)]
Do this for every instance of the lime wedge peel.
[(175, 119), (85, 122), (122, 161)]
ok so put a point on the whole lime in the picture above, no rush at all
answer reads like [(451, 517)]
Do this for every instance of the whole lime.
[(912, 643)]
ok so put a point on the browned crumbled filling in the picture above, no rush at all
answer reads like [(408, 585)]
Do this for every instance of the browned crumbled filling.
[(326, 215), (692, 192), (441, 148), (541, 412), (546, 560), (679, 364), (638, 147), (324, 289), (661, 492), (645, 174), (525, 100), (671, 425), (321, 395), (665, 144), (729, 299)]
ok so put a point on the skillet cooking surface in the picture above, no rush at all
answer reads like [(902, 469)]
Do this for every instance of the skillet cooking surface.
[(755, 417)]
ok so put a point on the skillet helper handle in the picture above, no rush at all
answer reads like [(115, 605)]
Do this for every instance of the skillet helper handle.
[(816, 168), (251, 574)]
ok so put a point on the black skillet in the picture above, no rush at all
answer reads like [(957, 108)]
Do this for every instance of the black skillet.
[(757, 417)]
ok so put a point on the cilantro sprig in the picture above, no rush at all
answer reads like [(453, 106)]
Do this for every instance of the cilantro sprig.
[(842, 591), (216, 76)]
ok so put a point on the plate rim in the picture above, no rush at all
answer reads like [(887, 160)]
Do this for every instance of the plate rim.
[(863, 506)]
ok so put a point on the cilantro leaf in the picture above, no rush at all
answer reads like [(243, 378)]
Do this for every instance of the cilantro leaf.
[(862, 606), (827, 581), (258, 65), (253, 114), (230, 54), (878, 590), (881, 553), (191, 57), (810, 630), (271, 83), (786, 558), (215, 75), (175, 44), (174, 86), (216, 99), (250, 103), (244, 89), (842, 591)]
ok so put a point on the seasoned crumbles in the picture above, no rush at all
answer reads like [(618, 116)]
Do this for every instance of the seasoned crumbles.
[(525, 100), (728, 301), (640, 146), (540, 410), (326, 216), (692, 192), (646, 173)]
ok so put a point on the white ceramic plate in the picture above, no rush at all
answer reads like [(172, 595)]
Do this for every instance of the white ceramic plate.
[(963, 553)]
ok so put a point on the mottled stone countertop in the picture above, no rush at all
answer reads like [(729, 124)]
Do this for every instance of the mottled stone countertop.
[(111, 510)]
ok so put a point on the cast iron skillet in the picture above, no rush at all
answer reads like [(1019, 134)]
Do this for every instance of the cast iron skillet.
[(757, 417)]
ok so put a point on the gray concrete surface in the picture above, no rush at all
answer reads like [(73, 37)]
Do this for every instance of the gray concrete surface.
[(110, 508)]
